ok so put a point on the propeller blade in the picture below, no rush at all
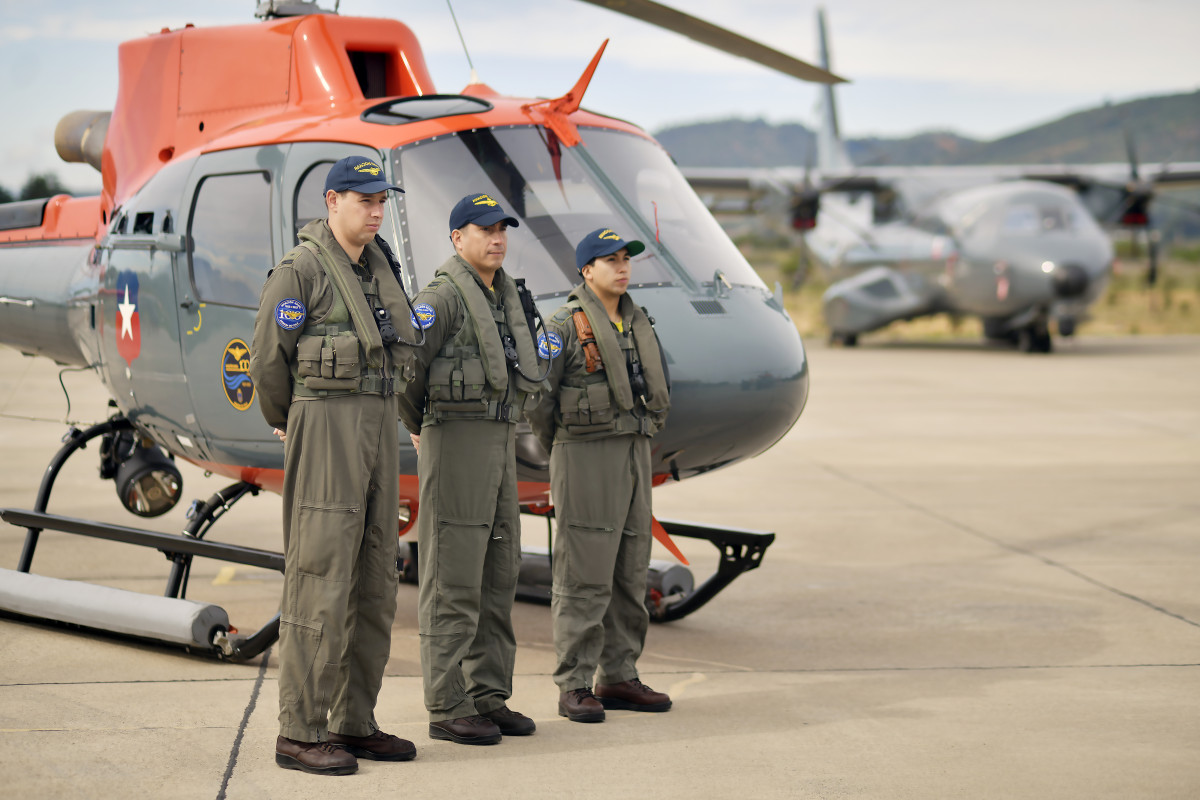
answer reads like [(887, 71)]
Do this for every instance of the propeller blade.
[(1131, 154), (720, 38)]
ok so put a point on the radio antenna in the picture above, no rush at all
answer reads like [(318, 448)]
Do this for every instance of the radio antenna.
[(471, 64)]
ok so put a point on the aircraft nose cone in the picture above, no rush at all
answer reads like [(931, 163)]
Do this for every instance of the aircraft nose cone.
[(740, 380), (1069, 280)]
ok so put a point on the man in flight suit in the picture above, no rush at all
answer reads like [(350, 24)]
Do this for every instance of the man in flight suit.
[(328, 372), (607, 396), (474, 380)]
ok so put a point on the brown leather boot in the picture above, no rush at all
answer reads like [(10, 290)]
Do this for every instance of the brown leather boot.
[(319, 758), (466, 730), (379, 746), (510, 723), (580, 705), (632, 695)]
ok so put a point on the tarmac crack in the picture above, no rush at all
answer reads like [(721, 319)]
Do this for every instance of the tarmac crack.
[(1050, 562)]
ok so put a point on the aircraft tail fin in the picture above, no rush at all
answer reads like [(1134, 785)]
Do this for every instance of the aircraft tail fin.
[(831, 150)]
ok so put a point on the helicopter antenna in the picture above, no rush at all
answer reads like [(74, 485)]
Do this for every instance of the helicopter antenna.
[(471, 64)]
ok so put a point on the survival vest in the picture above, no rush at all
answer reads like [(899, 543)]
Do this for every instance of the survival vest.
[(344, 354), (601, 400), (470, 378)]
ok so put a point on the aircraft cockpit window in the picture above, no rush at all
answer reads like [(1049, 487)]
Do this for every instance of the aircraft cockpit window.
[(230, 236), (1032, 219), (310, 197), (413, 109), (556, 197), (667, 208)]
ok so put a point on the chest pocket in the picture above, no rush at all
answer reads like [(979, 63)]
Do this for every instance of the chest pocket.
[(587, 408), (456, 380)]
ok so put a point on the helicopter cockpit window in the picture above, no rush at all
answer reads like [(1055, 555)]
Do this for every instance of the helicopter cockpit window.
[(413, 109), (559, 194), (669, 210), (310, 197), (557, 198), (230, 236)]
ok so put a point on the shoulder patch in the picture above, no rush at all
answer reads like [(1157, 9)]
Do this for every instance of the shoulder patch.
[(290, 314), (561, 316), (549, 345), (423, 316)]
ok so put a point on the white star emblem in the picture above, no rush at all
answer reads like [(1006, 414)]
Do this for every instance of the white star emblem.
[(126, 310)]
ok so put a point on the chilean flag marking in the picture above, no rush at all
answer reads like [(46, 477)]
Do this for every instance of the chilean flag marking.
[(128, 328)]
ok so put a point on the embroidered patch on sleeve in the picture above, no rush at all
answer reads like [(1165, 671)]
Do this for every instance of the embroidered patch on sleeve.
[(423, 316), (549, 345), (290, 314)]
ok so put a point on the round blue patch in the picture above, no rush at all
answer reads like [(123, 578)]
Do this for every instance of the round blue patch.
[(423, 315), (549, 345), (290, 314)]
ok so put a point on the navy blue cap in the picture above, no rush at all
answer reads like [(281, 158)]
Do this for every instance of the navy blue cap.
[(480, 209), (603, 242), (355, 173)]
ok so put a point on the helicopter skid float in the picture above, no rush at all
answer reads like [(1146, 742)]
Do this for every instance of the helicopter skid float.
[(214, 157)]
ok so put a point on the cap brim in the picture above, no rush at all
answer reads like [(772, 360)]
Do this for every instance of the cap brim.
[(373, 187), (492, 217), (634, 247)]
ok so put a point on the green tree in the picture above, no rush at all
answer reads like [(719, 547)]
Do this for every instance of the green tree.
[(44, 185), (6, 196)]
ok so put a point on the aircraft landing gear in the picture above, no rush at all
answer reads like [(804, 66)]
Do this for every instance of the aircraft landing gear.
[(1035, 338), (844, 339), (200, 627)]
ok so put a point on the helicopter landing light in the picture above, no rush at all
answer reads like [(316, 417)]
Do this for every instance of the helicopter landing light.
[(1047, 267)]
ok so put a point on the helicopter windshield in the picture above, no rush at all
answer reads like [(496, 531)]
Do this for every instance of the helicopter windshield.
[(559, 194)]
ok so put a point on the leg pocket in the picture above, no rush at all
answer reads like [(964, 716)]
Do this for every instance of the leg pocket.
[(327, 538), (591, 552), (461, 549)]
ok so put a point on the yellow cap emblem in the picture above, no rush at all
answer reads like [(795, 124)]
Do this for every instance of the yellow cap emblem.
[(607, 234), (370, 167), (483, 200)]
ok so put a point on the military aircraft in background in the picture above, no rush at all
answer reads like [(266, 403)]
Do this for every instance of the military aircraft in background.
[(214, 157), (1023, 248)]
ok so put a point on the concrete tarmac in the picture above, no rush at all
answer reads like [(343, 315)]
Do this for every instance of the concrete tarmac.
[(985, 585)]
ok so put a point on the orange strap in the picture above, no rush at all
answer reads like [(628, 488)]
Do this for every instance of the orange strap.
[(587, 340)]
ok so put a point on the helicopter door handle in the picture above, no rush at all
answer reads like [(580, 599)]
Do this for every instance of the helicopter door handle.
[(186, 304)]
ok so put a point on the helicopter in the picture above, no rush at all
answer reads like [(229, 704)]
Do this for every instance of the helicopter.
[(212, 161)]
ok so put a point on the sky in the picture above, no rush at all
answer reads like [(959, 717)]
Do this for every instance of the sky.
[(982, 69)]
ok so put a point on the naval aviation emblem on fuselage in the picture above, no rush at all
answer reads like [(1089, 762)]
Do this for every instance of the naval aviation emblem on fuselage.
[(129, 326), (235, 373)]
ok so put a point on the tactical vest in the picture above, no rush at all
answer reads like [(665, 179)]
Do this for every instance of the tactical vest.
[(329, 356), (586, 403), (458, 385)]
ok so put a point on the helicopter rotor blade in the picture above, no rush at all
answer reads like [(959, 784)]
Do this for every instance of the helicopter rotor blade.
[(720, 38)]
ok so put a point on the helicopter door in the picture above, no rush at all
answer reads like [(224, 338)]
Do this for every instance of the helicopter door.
[(233, 242), (303, 187)]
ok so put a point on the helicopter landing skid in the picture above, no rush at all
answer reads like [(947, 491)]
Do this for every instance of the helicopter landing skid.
[(741, 551), (670, 590), (172, 617)]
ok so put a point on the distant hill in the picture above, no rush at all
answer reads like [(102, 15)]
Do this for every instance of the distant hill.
[(1162, 128)]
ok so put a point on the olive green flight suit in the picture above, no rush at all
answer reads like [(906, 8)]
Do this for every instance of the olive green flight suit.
[(465, 401), (323, 375), (598, 433)]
